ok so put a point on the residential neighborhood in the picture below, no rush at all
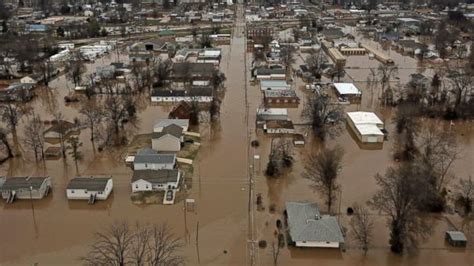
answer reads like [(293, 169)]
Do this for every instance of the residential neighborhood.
[(146, 132)]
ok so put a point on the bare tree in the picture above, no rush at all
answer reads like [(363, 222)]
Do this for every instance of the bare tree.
[(115, 114), (111, 247), (75, 68), (315, 60), (362, 226), (437, 151), (74, 145), (322, 169), (11, 115), (59, 119), (164, 247), (406, 129), (93, 114), (287, 55), (386, 73), (281, 157), (34, 137), (399, 191), (465, 193), (462, 84), (325, 117), (4, 142)]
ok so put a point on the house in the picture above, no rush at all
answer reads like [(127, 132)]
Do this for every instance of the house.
[(270, 73), (52, 153), (418, 80), (187, 72), (59, 129), (212, 56), (280, 97), (266, 114), (279, 127), (181, 111), (332, 33), (308, 228), (106, 72), (348, 91), (194, 94), (367, 126), (168, 140), (89, 188), (274, 85), (155, 180), (162, 123), (17, 92), (456, 238), (28, 80), (25, 188), (148, 159)]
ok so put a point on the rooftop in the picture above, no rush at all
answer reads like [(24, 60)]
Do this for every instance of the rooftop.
[(307, 224), (172, 129), (89, 183), (14, 183), (156, 176), (148, 155), (347, 88)]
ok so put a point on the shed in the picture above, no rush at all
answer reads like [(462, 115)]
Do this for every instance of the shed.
[(456, 238)]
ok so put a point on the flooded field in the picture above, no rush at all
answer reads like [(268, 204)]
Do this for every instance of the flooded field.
[(55, 231)]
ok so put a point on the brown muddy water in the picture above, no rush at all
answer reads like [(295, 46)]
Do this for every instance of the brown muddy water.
[(59, 231)]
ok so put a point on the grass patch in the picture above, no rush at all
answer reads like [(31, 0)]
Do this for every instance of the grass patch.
[(139, 142), (147, 197), (189, 151)]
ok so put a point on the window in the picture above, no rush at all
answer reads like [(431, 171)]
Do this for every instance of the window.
[(72, 191), (146, 187), (136, 186), (85, 192)]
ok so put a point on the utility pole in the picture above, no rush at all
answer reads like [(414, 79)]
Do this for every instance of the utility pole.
[(197, 242), (32, 207)]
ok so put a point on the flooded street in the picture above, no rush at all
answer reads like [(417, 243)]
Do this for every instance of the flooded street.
[(59, 231)]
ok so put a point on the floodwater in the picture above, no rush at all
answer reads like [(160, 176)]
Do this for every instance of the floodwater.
[(59, 231), (358, 183)]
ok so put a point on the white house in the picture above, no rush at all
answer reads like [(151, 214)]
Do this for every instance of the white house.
[(349, 91), (28, 80), (168, 140), (279, 127), (367, 126), (266, 114), (274, 85), (148, 159), (155, 180), (25, 188), (308, 228), (201, 94), (89, 188), (162, 123)]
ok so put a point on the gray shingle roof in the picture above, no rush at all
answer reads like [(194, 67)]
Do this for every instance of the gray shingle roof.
[(89, 183), (173, 130), (150, 156), (15, 183), (306, 224), (156, 176)]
